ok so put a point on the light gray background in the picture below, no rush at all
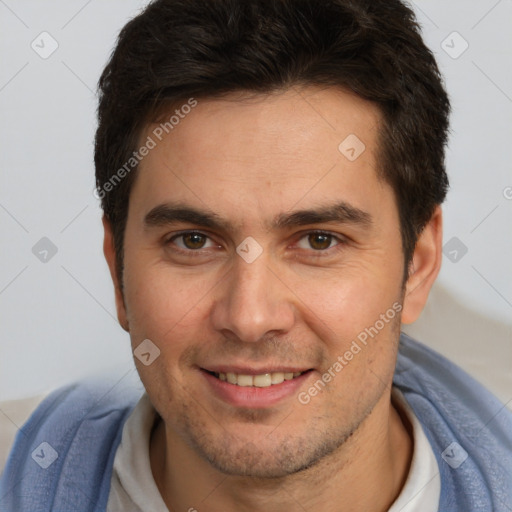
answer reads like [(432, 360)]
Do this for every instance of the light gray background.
[(58, 317)]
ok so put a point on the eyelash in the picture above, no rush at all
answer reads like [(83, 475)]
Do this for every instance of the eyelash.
[(341, 241)]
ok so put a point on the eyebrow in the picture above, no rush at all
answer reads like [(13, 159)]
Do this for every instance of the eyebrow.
[(341, 212)]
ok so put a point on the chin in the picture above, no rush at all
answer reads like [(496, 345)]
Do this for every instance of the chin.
[(266, 460)]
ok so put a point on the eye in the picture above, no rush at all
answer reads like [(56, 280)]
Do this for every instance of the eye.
[(318, 241), (192, 241)]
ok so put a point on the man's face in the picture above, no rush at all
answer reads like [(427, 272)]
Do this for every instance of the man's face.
[(254, 245)]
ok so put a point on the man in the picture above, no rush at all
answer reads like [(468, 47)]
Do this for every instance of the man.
[(271, 175)]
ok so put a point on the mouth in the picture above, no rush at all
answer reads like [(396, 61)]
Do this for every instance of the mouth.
[(261, 380), (255, 388)]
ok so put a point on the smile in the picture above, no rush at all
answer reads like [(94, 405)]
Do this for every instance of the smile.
[(263, 380), (255, 388)]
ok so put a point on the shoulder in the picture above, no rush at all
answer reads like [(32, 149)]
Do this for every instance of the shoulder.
[(68, 444), (13, 414), (422, 370), (469, 429), (90, 405), (425, 376)]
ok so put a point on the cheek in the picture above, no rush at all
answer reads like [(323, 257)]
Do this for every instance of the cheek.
[(169, 310), (356, 315), (347, 300), (160, 302)]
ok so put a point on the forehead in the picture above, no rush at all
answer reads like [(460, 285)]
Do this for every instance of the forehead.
[(263, 154)]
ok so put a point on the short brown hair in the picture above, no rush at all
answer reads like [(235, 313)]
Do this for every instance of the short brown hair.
[(177, 49)]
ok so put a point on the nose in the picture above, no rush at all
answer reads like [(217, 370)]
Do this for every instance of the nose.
[(252, 302)]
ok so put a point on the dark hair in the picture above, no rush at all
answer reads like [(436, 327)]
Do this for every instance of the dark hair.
[(178, 49)]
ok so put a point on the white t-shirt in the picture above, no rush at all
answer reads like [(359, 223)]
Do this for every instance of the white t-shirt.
[(422, 488), (134, 489)]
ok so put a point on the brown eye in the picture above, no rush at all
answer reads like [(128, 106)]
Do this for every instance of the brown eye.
[(320, 241), (192, 244), (194, 240)]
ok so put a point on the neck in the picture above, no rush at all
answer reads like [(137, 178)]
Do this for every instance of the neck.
[(366, 473)]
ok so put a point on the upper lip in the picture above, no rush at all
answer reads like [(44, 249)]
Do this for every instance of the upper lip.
[(245, 370)]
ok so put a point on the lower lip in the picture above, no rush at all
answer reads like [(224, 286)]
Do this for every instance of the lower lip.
[(254, 397)]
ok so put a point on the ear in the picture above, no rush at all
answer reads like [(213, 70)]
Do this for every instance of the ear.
[(110, 256), (424, 268)]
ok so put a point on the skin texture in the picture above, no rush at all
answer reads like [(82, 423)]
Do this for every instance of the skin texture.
[(301, 303)]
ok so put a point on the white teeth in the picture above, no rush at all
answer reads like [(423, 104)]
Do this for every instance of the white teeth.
[(245, 380), (263, 380), (277, 377)]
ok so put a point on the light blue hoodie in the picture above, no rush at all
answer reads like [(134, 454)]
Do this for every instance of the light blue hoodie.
[(469, 429)]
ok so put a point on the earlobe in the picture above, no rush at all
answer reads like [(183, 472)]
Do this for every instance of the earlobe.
[(110, 256), (424, 268)]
